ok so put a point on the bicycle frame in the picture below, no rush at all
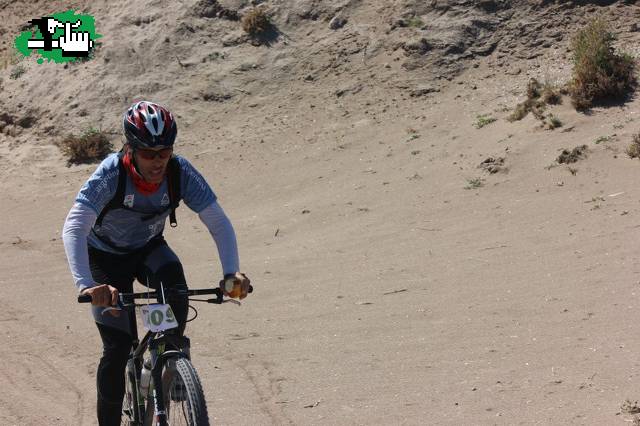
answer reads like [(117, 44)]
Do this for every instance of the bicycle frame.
[(156, 342)]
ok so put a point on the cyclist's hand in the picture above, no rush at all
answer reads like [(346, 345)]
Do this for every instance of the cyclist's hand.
[(244, 284), (243, 281), (103, 295)]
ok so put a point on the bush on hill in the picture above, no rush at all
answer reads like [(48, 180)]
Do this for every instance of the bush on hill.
[(599, 73)]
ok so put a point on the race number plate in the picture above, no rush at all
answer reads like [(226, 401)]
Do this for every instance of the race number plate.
[(158, 317)]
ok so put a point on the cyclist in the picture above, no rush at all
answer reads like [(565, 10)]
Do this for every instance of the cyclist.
[(109, 242)]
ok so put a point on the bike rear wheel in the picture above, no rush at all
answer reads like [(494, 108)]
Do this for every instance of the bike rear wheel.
[(185, 402)]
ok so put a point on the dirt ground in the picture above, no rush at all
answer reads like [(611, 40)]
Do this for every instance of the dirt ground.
[(396, 281)]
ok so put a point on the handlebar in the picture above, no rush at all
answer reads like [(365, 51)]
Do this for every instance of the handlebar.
[(129, 298)]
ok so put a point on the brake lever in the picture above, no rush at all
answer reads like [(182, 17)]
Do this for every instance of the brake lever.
[(221, 301), (119, 307)]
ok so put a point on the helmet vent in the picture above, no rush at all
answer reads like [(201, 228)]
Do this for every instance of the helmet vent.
[(149, 125)]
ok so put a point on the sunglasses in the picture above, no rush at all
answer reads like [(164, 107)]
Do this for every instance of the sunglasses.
[(151, 154)]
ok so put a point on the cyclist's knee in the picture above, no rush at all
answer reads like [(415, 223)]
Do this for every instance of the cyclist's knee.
[(171, 274), (116, 344)]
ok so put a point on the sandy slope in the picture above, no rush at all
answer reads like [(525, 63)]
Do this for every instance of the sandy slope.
[(390, 294)]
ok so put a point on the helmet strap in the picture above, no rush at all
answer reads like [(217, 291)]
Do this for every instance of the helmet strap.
[(131, 152)]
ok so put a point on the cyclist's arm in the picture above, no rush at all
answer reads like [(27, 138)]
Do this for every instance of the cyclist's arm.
[(91, 199), (223, 234), (74, 235)]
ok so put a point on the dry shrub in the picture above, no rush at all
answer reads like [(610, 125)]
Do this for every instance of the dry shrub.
[(538, 97), (520, 112), (577, 153), (633, 150), (256, 22), (550, 95), (533, 89), (599, 73), (93, 145), (553, 122)]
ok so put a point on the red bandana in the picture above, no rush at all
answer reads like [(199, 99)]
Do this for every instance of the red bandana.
[(144, 187)]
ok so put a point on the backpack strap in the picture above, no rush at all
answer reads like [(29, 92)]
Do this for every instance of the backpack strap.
[(118, 198), (173, 185)]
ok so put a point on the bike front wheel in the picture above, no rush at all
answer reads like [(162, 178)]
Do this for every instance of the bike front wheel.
[(184, 398)]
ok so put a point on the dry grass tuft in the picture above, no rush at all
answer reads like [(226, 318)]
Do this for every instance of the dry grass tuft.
[(8, 58), (553, 122), (568, 157), (17, 71), (93, 145), (599, 73), (483, 120), (538, 97), (630, 407), (256, 22), (633, 150)]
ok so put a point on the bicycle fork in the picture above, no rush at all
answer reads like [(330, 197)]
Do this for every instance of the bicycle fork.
[(159, 409)]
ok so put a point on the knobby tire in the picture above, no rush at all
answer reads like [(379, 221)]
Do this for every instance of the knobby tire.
[(184, 397)]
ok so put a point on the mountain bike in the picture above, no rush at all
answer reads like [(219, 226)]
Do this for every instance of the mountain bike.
[(162, 387)]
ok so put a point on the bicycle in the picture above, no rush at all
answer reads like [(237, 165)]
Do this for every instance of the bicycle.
[(179, 399)]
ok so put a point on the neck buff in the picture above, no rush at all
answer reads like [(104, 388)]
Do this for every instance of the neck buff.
[(144, 187)]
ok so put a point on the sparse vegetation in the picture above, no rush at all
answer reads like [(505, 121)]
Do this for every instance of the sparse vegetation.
[(602, 139), (93, 145), (568, 157), (413, 135), (550, 94), (493, 165), (538, 97), (415, 22), (214, 56), (630, 407), (256, 22), (553, 122), (474, 183), (7, 58), (633, 150), (483, 120), (599, 73), (17, 71)]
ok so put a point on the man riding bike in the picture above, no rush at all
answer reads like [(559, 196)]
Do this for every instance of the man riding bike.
[(113, 235)]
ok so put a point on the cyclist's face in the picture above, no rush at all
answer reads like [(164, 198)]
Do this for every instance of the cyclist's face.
[(152, 163)]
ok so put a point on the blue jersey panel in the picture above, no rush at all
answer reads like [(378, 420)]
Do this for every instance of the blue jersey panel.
[(145, 216), (132, 227), (196, 193), (101, 186)]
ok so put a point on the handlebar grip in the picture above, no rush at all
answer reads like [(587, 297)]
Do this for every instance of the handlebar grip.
[(84, 298)]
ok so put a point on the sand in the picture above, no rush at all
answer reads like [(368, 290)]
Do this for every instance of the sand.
[(396, 281)]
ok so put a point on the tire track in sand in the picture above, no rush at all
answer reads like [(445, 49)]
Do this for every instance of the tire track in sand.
[(266, 386), (34, 379)]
